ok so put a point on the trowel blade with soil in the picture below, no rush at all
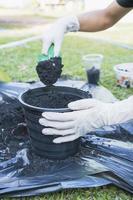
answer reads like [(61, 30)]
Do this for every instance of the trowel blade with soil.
[(49, 67), (49, 70)]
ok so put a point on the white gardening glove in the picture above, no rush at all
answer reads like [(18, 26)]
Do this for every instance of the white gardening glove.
[(87, 115), (55, 33)]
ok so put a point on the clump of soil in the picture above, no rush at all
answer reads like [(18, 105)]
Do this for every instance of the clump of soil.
[(52, 99), (11, 113), (49, 70)]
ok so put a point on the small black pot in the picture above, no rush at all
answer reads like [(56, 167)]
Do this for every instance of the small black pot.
[(49, 99)]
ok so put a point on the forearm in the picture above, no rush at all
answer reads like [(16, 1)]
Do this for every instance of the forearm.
[(93, 21), (102, 19), (121, 112)]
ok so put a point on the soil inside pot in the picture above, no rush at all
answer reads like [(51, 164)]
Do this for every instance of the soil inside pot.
[(49, 70), (52, 99)]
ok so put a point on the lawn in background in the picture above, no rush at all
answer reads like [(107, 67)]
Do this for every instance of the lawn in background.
[(19, 63)]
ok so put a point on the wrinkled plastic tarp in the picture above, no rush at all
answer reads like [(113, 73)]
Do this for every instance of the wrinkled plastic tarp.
[(105, 157)]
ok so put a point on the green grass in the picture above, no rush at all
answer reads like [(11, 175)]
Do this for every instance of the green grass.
[(101, 193), (5, 40), (4, 76), (121, 33), (20, 64)]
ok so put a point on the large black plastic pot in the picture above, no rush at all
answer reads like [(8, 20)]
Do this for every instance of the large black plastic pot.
[(49, 99)]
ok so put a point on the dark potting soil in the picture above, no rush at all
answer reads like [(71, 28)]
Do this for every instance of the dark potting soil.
[(12, 126), (41, 166), (49, 70), (11, 114), (93, 75), (52, 99), (14, 138), (32, 165)]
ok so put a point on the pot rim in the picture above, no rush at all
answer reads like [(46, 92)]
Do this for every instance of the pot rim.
[(20, 98)]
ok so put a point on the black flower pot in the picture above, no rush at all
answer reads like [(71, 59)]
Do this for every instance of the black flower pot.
[(49, 99)]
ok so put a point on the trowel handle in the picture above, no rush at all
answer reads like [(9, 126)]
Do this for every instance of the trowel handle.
[(51, 51), (50, 54)]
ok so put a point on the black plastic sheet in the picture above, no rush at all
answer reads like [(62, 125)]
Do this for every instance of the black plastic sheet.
[(105, 157)]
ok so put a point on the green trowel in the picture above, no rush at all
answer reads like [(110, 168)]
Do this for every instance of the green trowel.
[(50, 54)]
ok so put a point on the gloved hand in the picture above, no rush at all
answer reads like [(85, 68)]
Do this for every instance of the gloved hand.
[(55, 33), (87, 115)]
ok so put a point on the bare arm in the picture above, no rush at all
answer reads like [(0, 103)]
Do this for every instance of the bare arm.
[(102, 19)]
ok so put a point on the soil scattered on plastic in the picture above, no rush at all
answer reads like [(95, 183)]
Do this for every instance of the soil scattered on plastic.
[(14, 137), (49, 70), (12, 127), (11, 114)]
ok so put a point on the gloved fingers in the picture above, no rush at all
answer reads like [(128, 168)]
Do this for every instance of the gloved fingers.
[(46, 45), (53, 131), (65, 139), (57, 45), (83, 104), (57, 125), (58, 116)]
